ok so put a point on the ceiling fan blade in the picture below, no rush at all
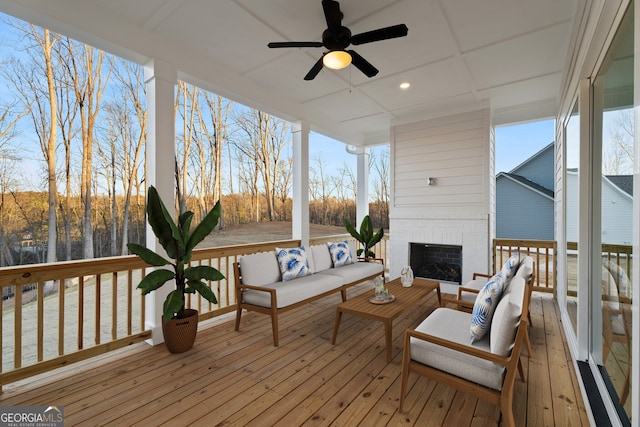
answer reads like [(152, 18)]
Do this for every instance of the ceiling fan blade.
[(333, 15), (385, 33), (313, 72), (294, 44), (362, 64)]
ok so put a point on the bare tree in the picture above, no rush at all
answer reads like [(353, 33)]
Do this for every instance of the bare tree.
[(34, 81), (380, 184), (264, 144), (85, 68), (618, 150), (319, 185), (8, 159)]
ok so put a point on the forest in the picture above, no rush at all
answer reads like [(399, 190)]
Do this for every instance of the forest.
[(72, 155)]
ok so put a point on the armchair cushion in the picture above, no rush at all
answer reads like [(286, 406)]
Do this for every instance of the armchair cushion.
[(452, 325), (505, 319)]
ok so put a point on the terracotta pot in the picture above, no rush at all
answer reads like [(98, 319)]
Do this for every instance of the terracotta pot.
[(179, 334)]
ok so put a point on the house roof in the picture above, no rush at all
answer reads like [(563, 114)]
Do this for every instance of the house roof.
[(623, 182), (509, 56), (533, 157), (527, 183)]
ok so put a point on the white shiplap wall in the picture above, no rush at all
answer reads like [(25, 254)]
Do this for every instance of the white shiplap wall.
[(457, 151)]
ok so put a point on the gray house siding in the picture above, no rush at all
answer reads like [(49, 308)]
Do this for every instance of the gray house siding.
[(539, 168), (522, 213)]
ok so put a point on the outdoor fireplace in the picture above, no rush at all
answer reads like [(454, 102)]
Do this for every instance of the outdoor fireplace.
[(436, 262)]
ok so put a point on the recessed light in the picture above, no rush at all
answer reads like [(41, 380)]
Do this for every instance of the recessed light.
[(405, 85)]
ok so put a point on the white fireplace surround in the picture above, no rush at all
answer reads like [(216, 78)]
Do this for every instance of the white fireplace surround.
[(470, 233)]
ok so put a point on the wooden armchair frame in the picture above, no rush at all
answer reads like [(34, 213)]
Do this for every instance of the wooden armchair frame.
[(502, 398)]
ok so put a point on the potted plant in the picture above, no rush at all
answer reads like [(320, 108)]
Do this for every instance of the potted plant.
[(367, 238), (178, 241)]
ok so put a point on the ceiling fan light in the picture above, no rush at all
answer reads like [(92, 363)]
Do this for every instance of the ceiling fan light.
[(336, 59)]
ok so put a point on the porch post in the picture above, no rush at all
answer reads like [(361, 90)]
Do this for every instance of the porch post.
[(362, 192), (160, 79), (300, 209)]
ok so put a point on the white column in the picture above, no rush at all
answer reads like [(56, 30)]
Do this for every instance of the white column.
[(300, 215), (362, 197), (160, 81)]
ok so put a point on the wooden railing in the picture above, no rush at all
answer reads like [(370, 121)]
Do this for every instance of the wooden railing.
[(543, 253), (60, 313)]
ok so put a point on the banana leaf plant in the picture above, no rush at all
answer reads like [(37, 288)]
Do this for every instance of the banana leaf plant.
[(178, 241), (367, 238)]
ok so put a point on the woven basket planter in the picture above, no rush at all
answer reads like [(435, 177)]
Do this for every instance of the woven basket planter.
[(179, 334)]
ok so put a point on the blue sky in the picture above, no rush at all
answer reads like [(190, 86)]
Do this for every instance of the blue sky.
[(516, 143)]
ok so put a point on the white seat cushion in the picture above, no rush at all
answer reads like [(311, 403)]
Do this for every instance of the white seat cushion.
[(293, 291), (453, 325), (353, 272)]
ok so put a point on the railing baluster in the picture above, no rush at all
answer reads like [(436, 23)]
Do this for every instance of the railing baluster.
[(40, 325), (114, 306), (60, 317), (129, 301), (17, 327), (80, 312), (97, 312)]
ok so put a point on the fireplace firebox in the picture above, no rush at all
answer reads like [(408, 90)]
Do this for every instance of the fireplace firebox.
[(436, 262)]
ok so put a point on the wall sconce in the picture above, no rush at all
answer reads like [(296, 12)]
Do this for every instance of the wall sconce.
[(431, 181)]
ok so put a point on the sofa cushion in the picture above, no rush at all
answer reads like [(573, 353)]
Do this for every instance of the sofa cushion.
[(506, 317), (293, 291), (483, 308), (293, 263), (453, 325), (340, 253), (321, 257), (354, 272), (259, 269)]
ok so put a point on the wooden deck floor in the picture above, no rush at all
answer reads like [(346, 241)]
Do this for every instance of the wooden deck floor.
[(239, 378)]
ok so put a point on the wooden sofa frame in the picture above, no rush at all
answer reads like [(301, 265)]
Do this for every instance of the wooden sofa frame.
[(274, 311)]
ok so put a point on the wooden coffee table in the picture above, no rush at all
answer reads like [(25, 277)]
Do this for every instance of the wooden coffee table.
[(385, 313)]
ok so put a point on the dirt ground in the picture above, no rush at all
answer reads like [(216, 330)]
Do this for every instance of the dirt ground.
[(263, 232)]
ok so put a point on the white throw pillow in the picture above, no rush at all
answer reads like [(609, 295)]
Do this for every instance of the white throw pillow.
[(293, 263), (340, 253)]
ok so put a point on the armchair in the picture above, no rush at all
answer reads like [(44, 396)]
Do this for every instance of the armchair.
[(439, 349)]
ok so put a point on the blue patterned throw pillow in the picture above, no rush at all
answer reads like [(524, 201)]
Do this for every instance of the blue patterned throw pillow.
[(293, 263), (483, 308), (340, 253), (509, 268)]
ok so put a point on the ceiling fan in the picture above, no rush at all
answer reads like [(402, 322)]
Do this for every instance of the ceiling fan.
[(336, 38)]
